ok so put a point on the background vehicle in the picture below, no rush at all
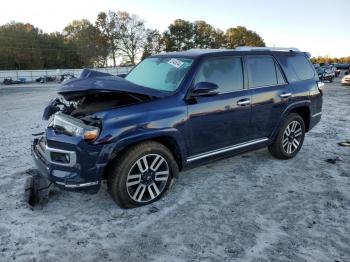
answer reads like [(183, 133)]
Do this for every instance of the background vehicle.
[(44, 79), (325, 74), (334, 69), (10, 81), (342, 66), (66, 76), (346, 80), (175, 111)]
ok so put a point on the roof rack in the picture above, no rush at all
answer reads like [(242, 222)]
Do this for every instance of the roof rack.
[(253, 48)]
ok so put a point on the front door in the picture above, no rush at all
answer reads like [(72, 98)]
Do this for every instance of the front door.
[(221, 120)]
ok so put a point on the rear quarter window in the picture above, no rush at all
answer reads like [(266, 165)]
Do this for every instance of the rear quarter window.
[(301, 66)]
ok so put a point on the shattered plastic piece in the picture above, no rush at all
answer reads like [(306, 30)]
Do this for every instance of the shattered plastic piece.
[(345, 143), (36, 189), (38, 134), (333, 160)]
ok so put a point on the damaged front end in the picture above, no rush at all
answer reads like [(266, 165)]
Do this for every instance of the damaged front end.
[(70, 153)]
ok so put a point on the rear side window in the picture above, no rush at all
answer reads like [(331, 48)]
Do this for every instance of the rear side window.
[(263, 71), (226, 72), (301, 67)]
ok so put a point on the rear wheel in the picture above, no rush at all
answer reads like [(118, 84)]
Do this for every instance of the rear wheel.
[(290, 138), (141, 175)]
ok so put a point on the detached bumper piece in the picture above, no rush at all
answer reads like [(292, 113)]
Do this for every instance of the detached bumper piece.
[(60, 167)]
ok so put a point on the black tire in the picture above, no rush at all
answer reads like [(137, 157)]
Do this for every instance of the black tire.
[(277, 149), (124, 165)]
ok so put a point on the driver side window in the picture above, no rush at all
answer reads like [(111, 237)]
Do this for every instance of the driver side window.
[(225, 72)]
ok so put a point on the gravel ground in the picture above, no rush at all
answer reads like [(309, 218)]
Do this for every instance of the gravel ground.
[(251, 207)]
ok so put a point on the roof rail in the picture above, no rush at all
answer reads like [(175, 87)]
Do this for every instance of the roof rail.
[(252, 48)]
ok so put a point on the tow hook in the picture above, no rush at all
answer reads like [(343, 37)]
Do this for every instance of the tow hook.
[(36, 189)]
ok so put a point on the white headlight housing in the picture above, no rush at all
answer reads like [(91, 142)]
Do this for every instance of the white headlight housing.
[(73, 127)]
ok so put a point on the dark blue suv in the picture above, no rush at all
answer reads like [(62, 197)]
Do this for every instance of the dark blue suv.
[(174, 111)]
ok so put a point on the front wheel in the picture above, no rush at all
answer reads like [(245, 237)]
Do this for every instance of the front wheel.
[(290, 138), (141, 175)]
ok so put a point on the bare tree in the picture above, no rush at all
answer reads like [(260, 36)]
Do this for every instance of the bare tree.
[(107, 25), (132, 35), (154, 43)]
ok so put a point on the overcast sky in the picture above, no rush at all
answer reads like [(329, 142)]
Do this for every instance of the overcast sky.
[(321, 27)]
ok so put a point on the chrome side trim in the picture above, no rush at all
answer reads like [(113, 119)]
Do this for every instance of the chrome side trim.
[(317, 114), (226, 149), (284, 84), (78, 185)]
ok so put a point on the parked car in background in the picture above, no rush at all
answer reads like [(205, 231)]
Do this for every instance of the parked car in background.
[(342, 66), (10, 81), (65, 77), (175, 111), (346, 80), (335, 70), (45, 79), (325, 74)]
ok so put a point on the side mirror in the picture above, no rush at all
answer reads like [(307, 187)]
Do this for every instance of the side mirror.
[(204, 89), (122, 75)]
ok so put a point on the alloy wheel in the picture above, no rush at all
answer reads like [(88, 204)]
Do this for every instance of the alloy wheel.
[(292, 137), (147, 178)]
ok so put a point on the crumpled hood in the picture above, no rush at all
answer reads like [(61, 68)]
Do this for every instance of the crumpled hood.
[(92, 82)]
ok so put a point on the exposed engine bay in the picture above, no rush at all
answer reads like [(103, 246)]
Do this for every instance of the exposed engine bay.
[(73, 112), (91, 103)]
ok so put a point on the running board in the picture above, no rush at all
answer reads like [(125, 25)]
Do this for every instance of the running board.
[(225, 149)]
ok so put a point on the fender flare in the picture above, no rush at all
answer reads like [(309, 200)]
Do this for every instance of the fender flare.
[(286, 112), (131, 139)]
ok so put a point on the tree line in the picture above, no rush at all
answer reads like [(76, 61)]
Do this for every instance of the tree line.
[(115, 37), (330, 60)]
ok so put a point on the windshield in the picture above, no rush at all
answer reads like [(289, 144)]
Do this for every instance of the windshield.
[(164, 74)]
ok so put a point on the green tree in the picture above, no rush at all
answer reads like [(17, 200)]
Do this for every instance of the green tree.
[(57, 53), (19, 46), (90, 43), (179, 36), (241, 36), (206, 36)]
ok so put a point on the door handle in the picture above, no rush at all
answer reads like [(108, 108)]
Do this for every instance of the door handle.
[(285, 95), (243, 102)]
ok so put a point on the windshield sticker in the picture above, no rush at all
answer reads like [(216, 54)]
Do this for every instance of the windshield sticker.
[(175, 62)]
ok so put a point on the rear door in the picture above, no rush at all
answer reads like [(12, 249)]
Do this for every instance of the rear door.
[(270, 94)]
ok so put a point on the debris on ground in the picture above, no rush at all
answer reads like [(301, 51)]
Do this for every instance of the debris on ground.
[(345, 143), (333, 160), (36, 189)]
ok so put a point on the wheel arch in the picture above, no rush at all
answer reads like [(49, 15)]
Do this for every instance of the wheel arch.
[(170, 140), (304, 112), (302, 108)]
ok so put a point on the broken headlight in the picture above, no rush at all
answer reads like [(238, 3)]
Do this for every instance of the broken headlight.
[(73, 127)]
